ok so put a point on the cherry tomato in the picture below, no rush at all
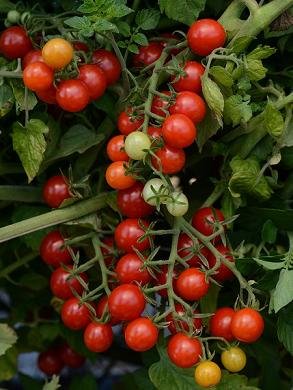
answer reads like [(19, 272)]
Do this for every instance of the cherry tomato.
[(127, 122), (52, 251), (247, 325), (182, 324), (147, 54), (48, 96), (223, 272), (102, 309), (189, 104), (129, 269), (160, 105), (109, 63), (127, 234), (108, 253), (62, 286), (154, 192), (169, 159), (161, 278), (116, 176), (98, 337), (178, 204), (72, 95), (80, 46), (14, 42), (205, 35), (137, 145), (154, 132), (126, 302), (38, 76), (191, 284), (207, 374), (220, 323), (49, 362), (131, 204), (13, 16), (233, 359), (192, 80), (141, 334), (115, 149), (55, 191), (94, 78), (31, 57), (178, 131), (186, 248), (75, 315), (184, 351), (57, 53), (204, 220), (70, 357)]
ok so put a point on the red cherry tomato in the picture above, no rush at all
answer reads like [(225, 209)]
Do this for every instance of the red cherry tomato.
[(38, 76), (223, 272), (154, 132), (80, 46), (129, 269), (165, 42), (127, 123), (70, 357), (48, 96), (191, 284), (62, 286), (31, 57), (179, 131), (189, 104), (108, 253), (184, 351), (127, 234), (102, 309), (160, 105), (181, 324), (147, 54), (205, 35), (204, 220), (52, 251), (185, 249), (15, 43), (247, 325), (192, 80), (72, 95), (169, 159), (126, 302), (131, 203), (98, 337), (94, 78), (161, 278), (141, 334), (220, 323), (115, 149), (75, 315), (49, 362), (116, 176), (109, 63), (55, 191)]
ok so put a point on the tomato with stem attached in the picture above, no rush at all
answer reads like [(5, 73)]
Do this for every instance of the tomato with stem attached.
[(131, 203), (192, 284), (186, 249), (102, 309), (189, 104), (141, 334), (220, 323), (147, 54), (75, 314), (128, 122), (160, 105), (161, 279), (179, 131), (56, 190), (52, 250), (128, 235), (72, 95), (182, 324), (207, 374), (169, 160), (191, 81), (115, 149), (233, 359), (15, 42), (38, 76), (126, 302), (223, 273), (184, 351), (62, 286), (98, 337), (247, 325), (130, 269), (137, 145), (205, 219), (116, 176), (57, 53)]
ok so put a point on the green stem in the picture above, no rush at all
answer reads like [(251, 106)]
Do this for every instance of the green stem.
[(231, 17), (21, 194), (97, 247), (172, 261), (215, 195), (17, 264), (11, 74)]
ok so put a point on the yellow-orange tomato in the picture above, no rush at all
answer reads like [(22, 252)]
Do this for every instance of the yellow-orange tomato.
[(57, 53), (207, 374), (233, 359)]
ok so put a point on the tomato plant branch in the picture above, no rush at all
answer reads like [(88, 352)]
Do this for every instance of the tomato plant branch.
[(17, 264)]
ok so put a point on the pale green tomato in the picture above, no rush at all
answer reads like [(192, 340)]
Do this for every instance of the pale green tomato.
[(154, 191), (13, 16), (234, 359), (136, 144), (178, 205)]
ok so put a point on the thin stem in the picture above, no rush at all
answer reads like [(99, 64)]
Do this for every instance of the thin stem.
[(17, 264), (172, 261), (215, 195), (11, 74), (98, 252)]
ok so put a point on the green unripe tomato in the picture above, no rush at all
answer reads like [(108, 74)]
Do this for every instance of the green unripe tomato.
[(154, 191), (13, 16), (136, 144), (178, 205)]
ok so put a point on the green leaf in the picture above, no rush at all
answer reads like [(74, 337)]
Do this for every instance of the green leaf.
[(269, 232), (124, 28), (240, 44), (6, 99), (184, 11), (261, 52), (138, 380), (34, 281), (147, 19), (106, 9), (133, 48), (206, 129), (87, 382), (237, 110), (213, 97), (234, 381), (255, 70), (221, 76), (8, 337), (8, 364), (140, 39), (79, 22), (104, 25), (285, 326), (283, 293), (30, 145), (53, 384), (270, 265), (274, 121), (22, 101)]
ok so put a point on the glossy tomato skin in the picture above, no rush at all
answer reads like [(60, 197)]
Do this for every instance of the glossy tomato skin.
[(247, 325), (80, 46), (126, 302), (223, 272), (70, 357), (147, 54), (15, 43), (72, 95), (160, 105), (192, 80), (31, 57), (172, 160), (141, 334), (197, 322), (220, 323), (129, 269), (61, 286), (191, 284), (48, 96), (57, 53), (179, 131), (154, 132), (161, 278), (127, 124), (183, 350), (131, 203), (204, 219), (116, 176), (205, 35), (115, 149), (109, 63), (233, 359), (189, 104), (50, 362), (94, 78), (102, 309), (75, 315), (207, 374), (127, 234), (185, 246), (98, 337), (55, 191), (38, 76), (108, 253), (51, 250)]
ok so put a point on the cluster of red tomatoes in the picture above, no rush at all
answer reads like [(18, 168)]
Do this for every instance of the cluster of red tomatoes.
[(42, 69)]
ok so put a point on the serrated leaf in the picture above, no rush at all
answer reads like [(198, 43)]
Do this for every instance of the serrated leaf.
[(79, 22), (133, 48), (236, 110), (206, 129), (53, 384), (221, 75), (283, 293), (274, 121), (285, 326), (213, 97), (104, 25), (269, 232), (140, 39), (255, 70), (147, 19), (8, 338), (261, 52), (106, 9), (184, 11), (22, 101)]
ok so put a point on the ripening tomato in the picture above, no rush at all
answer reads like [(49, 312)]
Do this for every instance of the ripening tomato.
[(48, 96), (147, 54), (137, 145), (80, 46), (52, 250), (102, 309), (131, 203), (161, 278), (72, 95), (98, 337), (126, 302), (75, 315), (186, 248), (192, 80), (160, 106), (38, 76), (14, 42), (233, 359), (94, 78), (205, 218), (141, 334), (62, 286), (31, 57), (55, 191), (116, 176), (189, 104), (178, 131), (50, 362), (129, 269), (182, 324), (154, 132), (192, 284), (128, 232), (108, 252), (115, 149), (70, 357), (207, 374), (205, 35), (169, 159), (220, 323), (109, 63), (223, 272), (184, 351), (247, 325), (127, 122), (57, 53)]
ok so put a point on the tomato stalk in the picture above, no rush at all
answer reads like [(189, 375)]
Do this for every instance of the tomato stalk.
[(17, 264)]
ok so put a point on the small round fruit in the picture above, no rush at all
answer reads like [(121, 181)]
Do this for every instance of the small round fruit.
[(220, 323), (137, 145), (72, 95), (102, 309), (94, 78), (207, 374), (205, 218), (178, 206), (184, 351), (147, 54), (31, 57), (55, 191), (131, 204), (14, 42), (70, 357), (179, 131), (38, 76), (126, 302), (170, 160), (75, 315), (192, 79), (98, 337), (48, 96), (154, 132), (49, 362), (182, 324), (57, 53), (52, 250), (109, 63), (62, 286), (189, 104), (233, 359), (160, 105), (80, 46), (223, 273), (141, 334), (115, 149), (116, 176), (161, 279), (247, 325), (154, 192), (13, 16), (186, 248), (129, 269), (127, 122), (191, 284), (128, 233)]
